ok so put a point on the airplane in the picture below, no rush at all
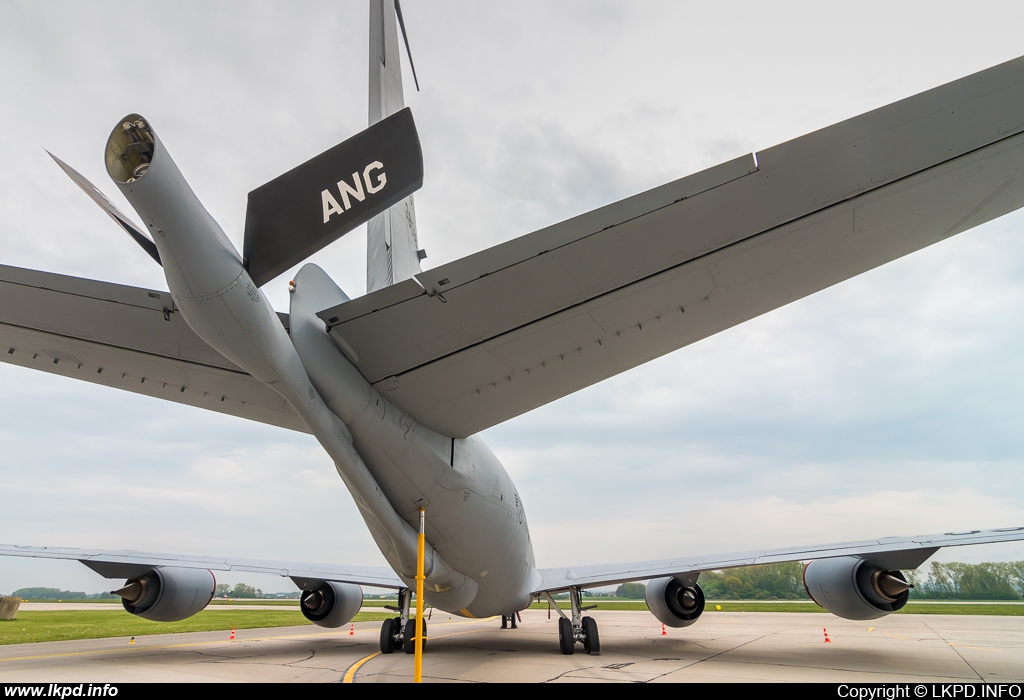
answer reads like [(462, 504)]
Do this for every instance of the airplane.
[(675, 585)]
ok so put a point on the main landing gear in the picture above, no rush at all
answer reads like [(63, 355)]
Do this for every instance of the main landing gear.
[(577, 628), (508, 621), (399, 633)]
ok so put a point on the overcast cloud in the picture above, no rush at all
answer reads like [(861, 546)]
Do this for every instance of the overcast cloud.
[(890, 404)]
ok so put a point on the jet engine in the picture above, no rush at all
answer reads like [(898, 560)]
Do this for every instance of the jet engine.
[(673, 602), (168, 594), (852, 588), (331, 604)]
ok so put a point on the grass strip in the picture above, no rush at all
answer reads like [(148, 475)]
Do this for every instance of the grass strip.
[(62, 625), (963, 609)]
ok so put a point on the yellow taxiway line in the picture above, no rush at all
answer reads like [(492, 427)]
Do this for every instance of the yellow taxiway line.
[(350, 674)]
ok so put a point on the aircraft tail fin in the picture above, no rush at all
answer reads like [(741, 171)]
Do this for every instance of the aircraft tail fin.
[(392, 247), (293, 216)]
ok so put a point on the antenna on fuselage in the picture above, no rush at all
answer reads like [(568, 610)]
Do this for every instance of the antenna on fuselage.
[(405, 38)]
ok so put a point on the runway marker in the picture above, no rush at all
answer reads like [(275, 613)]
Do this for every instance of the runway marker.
[(132, 640)]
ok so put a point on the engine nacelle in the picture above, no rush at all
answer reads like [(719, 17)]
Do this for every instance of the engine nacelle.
[(673, 602), (331, 604), (168, 594), (852, 588)]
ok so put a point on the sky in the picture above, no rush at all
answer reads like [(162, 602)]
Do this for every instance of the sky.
[(890, 404)]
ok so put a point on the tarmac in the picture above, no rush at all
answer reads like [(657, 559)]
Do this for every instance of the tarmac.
[(721, 646)]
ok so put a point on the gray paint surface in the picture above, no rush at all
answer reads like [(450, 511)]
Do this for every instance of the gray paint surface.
[(507, 330), (828, 197), (126, 338)]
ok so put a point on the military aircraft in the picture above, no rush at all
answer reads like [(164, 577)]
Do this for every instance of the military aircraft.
[(396, 385)]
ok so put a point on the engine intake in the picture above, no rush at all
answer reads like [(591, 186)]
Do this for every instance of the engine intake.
[(168, 594), (331, 604), (673, 602), (852, 588)]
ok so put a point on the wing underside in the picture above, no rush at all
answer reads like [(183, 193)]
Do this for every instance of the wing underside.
[(127, 564), (886, 553), (478, 341), (126, 338)]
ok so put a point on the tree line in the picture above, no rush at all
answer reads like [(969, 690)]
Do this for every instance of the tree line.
[(239, 591), (958, 581), (57, 594)]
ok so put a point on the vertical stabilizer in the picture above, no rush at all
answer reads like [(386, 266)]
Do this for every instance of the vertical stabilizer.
[(392, 249)]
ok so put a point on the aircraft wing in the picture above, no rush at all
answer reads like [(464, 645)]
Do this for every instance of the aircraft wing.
[(483, 339), (886, 553), (126, 338), (127, 564)]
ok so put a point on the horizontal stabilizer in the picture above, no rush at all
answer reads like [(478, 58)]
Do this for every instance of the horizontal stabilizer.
[(295, 215), (474, 342), (106, 205), (125, 338)]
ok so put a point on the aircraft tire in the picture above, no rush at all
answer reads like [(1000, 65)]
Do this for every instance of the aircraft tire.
[(566, 642), (591, 640), (409, 643), (387, 636)]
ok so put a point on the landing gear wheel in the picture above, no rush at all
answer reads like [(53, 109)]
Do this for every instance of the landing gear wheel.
[(566, 641), (387, 636), (396, 635), (591, 640), (409, 644)]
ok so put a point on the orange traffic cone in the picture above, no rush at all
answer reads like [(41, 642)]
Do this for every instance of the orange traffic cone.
[(232, 633), (352, 630), (663, 632), (827, 640)]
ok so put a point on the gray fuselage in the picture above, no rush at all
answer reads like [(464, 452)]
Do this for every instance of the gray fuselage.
[(479, 559)]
